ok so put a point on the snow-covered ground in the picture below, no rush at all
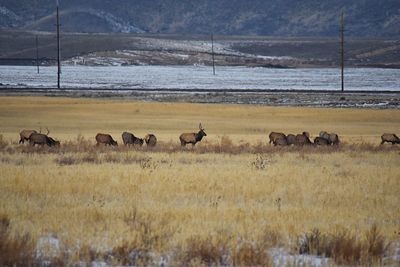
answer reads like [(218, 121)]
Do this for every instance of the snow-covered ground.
[(199, 77)]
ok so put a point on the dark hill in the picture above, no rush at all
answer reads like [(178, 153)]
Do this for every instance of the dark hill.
[(364, 18)]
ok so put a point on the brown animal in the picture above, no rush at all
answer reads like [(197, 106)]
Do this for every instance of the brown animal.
[(130, 139), (192, 138), (54, 142), (281, 142), (291, 139), (105, 139), (24, 135), (332, 138), (390, 138), (150, 140), (42, 139), (273, 136), (303, 139), (321, 141)]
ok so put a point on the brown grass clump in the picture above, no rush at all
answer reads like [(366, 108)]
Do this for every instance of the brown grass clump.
[(200, 251), (251, 254), (223, 250), (344, 248), (376, 245), (14, 250)]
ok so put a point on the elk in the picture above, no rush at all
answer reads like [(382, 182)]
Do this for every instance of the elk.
[(131, 139), (332, 138), (274, 136), (24, 135), (42, 139), (390, 138), (192, 138), (303, 139), (291, 139), (281, 142), (150, 140), (320, 141), (105, 139)]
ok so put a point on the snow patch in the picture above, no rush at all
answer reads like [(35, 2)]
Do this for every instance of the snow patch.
[(48, 247), (117, 24), (10, 14)]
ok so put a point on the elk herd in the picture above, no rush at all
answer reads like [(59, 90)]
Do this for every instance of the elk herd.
[(324, 139), (129, 139)]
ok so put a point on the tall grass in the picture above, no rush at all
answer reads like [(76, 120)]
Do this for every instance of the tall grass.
[(346, 248), (228, 200), (14, 250)]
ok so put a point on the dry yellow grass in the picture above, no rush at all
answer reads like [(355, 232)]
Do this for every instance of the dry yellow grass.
[(67, 118), (183, 194)]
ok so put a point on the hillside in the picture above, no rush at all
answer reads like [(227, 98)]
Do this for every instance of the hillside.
[(364, 18), (18, 48)]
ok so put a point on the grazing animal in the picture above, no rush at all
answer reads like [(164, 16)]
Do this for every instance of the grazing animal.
[(105, 139), (150, 140), (42, 139), (273, 136), (390, 138), (192, 138), (281, 142), (320, 141), (291, 139), (130, 139), (333, 139), (303, 139), (54, 142), (24, 135)]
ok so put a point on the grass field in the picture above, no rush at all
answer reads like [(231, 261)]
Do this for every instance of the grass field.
[(217, 207)]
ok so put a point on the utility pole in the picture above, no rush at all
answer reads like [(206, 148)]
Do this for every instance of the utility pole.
[(342, 49), (37, 54), (212, 53), (58, 47)]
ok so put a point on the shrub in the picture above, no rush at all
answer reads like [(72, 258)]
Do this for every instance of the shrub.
[(203, 251), (251, 254), (344, 248), (376, 245), (14, 251)]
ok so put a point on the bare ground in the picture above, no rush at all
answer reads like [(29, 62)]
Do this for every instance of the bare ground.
[(353, 99)]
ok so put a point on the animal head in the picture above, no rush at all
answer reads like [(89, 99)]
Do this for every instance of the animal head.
[(201, 132), (139, 141)]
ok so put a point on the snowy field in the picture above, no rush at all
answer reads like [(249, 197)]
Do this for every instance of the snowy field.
[(200, 77)]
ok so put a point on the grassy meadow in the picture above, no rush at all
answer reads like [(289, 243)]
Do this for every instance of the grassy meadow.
[(224, 202)]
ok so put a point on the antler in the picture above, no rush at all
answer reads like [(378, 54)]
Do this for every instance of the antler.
[(201, 127), (40, 129), (48, 131)]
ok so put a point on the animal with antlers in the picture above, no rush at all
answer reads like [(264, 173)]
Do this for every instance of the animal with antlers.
[(192, 138), (40, 139)]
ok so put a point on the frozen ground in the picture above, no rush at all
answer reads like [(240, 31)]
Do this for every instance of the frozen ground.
[(364, 88), (200, 77)]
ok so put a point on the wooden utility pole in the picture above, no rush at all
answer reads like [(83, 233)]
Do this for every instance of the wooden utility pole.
[(37, 54), (212, 53), (58, 47), (342, 49)]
